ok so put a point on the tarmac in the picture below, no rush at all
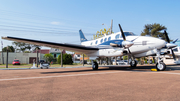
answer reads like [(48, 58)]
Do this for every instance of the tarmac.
[(82, 83)]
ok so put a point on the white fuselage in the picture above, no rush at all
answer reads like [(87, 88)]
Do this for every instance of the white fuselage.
[(143, 45)]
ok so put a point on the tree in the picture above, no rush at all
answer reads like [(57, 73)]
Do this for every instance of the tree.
[(101, 33), (67, 59), (10, 49), (154, 30), (48, 57), (24, 46)]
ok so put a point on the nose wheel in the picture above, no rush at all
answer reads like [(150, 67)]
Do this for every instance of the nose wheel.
[(160, 66)]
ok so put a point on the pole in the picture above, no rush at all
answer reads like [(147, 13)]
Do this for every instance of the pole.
[(111, 26), (7, 58), (2, 53), (62, 58), (83, 60), (37, 57)]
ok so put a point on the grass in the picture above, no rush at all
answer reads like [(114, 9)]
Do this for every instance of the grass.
[(2, 66)]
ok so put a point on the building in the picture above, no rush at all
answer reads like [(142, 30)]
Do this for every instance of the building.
[(56, 52), (43, 51), (24, 58)]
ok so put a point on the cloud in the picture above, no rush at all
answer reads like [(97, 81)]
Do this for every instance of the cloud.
[(55, 23)]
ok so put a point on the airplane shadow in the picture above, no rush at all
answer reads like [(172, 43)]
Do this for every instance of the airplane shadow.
[(121, 68)]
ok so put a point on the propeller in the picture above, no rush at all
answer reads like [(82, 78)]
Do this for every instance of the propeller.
[(122, 32), (125, 43), (167, 38)]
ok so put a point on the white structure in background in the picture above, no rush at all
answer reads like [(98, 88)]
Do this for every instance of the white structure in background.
[(76, 57), (168, 59), (24, 58), (34, 64)]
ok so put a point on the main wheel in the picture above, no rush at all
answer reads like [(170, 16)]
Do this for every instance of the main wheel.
[(95, 66), (133, 64), (161, 66)]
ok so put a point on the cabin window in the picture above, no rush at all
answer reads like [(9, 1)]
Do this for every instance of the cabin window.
[(91, 43), (117, 36), (105, 39), (109, 38), (96, 42), (101, 40)]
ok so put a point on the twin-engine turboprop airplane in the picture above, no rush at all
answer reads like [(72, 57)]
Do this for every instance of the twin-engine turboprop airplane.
[(117, 44)]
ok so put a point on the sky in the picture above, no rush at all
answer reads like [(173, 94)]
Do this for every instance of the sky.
[(60, 20)]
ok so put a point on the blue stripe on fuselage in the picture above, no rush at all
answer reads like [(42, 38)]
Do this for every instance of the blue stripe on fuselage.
[(119, 42)]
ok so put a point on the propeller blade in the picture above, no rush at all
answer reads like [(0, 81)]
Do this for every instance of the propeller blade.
[(167, 38), (122, 33), (175, 40), (173, 55), (129, 50)]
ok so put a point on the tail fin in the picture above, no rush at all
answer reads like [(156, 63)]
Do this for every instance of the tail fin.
[(82, 37)]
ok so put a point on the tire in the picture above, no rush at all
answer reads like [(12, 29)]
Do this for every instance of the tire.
[(161, 67), (133, 64), (94, 66)]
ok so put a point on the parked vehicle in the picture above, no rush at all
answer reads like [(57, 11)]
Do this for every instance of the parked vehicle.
[(16, 62), (41, 61), (120, 62)]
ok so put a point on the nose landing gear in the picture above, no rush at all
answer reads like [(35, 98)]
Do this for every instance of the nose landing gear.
[(160, 65)]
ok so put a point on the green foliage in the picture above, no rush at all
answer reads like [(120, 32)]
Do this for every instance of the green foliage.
[(154, 30), (48, 57), (10, 49), (153, 61), (125, 57), (27, 52), (20, 46), (101, 33), (67, 59), (145, 61)]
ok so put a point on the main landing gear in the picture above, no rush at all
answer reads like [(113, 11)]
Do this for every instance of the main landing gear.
[(94, 65), (133, 63), (160, 65)]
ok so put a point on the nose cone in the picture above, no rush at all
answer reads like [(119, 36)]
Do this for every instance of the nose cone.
[(170, 45), (127, 44), (155, 42)]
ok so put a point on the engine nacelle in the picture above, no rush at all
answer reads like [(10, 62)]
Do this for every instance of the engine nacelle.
[(127, 44)]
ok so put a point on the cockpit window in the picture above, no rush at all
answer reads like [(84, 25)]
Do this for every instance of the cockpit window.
[(117, 36), (96, 42), (129, 34)]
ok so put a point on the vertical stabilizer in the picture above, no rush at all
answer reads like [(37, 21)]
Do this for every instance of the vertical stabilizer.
[(82, 37)]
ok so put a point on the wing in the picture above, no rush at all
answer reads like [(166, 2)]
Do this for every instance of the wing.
[(68, 47)]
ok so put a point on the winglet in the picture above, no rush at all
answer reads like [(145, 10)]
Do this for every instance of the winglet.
[(82, 37)]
